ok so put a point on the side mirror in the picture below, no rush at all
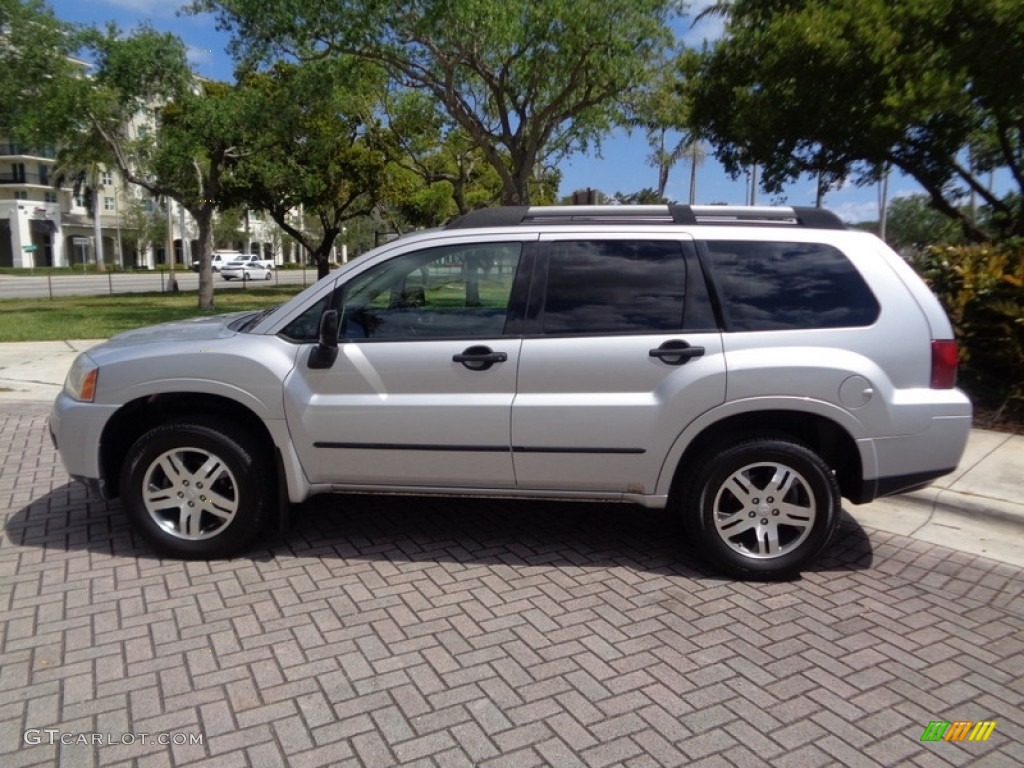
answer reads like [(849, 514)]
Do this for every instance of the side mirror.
[(325, 352)]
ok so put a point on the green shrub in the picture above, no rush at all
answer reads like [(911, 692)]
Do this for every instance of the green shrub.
[(982, 289)]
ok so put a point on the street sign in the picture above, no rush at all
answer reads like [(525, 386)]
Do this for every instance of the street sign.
[(80, 240), (29, 248)]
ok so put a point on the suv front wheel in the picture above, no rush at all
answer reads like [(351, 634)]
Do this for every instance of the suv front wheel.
[(761, 508), (195, 489)]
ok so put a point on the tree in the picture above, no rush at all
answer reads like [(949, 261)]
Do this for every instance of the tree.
[(843, 88), (696, 153), (312, 140), (227, 228), (442, 173), (645, 196), (187, 153), (142, 226), (663, 116), (912, 224), (529, 81), (37, 96)]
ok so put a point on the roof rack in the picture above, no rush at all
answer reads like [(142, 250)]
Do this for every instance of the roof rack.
[(512, 216)]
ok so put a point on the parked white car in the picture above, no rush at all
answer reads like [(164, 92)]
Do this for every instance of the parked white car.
[(219, 259), (245, 270)]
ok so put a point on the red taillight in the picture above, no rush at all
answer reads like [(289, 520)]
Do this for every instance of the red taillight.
[(944, 361)]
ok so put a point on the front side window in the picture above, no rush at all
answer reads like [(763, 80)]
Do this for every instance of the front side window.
[(306, 327), (614, 286), (773, 286), (449, 292)]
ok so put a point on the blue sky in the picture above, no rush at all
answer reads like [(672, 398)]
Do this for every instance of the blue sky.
[(621, 165)]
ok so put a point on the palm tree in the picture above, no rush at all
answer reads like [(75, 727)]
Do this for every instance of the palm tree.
[(696, 151), (83, 174)]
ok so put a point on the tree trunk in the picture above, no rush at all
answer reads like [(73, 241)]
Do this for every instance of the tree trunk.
[(693, 179), (322, 254), (204, 220)]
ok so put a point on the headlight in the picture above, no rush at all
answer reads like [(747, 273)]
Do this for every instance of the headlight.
[(80, 383)]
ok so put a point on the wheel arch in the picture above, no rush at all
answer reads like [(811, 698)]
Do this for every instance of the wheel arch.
[(829, 439), (138, 416)]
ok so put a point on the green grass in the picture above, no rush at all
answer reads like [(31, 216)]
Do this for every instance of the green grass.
[(98, 317)]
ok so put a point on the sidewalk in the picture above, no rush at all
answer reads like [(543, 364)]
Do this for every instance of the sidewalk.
[(977, 509)]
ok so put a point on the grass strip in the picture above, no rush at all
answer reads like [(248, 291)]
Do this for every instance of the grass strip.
[(98, 317)]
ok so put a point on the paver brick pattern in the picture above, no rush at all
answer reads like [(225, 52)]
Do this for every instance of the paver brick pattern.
[(430, 632)]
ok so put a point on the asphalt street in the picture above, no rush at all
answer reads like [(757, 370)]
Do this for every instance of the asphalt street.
[(41, 286)]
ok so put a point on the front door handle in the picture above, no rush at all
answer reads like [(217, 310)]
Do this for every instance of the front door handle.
[(676, 352), (480, 358)]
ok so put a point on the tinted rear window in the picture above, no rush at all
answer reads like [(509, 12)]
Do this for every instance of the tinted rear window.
[(614, 286), (770, 286)]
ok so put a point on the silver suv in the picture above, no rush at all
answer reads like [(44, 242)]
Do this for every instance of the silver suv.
[(747, 367)]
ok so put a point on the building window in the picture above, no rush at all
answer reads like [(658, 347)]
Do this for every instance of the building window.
[(106, 178), (147, 206), (50, 197), (108, 203), (20, 194)]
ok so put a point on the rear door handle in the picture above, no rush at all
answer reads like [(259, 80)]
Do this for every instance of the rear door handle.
[(676, 352), (479, 358)]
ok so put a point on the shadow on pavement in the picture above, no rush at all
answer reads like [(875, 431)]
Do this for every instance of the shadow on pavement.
[(427, 529)]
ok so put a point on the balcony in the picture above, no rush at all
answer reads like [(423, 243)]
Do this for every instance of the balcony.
[(22, 177), (10, 149)]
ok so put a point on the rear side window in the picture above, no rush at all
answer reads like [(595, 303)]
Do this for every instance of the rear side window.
[(614, 286), (774, 286)]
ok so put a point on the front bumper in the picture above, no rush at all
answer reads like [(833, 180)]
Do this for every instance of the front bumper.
[(76, 430)]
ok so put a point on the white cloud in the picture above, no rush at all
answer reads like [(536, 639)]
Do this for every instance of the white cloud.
[(855, 212), (143, 7)]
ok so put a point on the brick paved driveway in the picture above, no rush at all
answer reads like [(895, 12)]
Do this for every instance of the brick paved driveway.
[(426, 632)]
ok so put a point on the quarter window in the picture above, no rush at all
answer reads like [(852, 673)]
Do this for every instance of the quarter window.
[(614, 286), (460, 292), (770, 286)]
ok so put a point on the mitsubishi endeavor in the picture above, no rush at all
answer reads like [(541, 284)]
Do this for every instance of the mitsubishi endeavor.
[(747, 367)]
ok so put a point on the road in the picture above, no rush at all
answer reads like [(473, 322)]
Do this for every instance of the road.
[(19, 287)]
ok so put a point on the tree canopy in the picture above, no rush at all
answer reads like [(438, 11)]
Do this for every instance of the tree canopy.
[(165, 130), (36, 100), (313, 140), (529, 81), (843, 88)]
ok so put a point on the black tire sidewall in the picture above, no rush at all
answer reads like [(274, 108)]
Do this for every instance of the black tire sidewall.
[(229, 445), (700, 498)]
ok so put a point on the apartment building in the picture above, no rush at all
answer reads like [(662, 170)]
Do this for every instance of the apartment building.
[(42, 225)]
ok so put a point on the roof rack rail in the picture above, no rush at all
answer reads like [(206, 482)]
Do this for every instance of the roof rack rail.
[(512, 216)]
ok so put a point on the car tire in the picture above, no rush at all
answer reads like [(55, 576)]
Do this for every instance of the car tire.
[(196, 488), (762, 508)]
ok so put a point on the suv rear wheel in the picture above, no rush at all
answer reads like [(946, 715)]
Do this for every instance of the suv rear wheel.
[(761, 508), (195, 489)]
